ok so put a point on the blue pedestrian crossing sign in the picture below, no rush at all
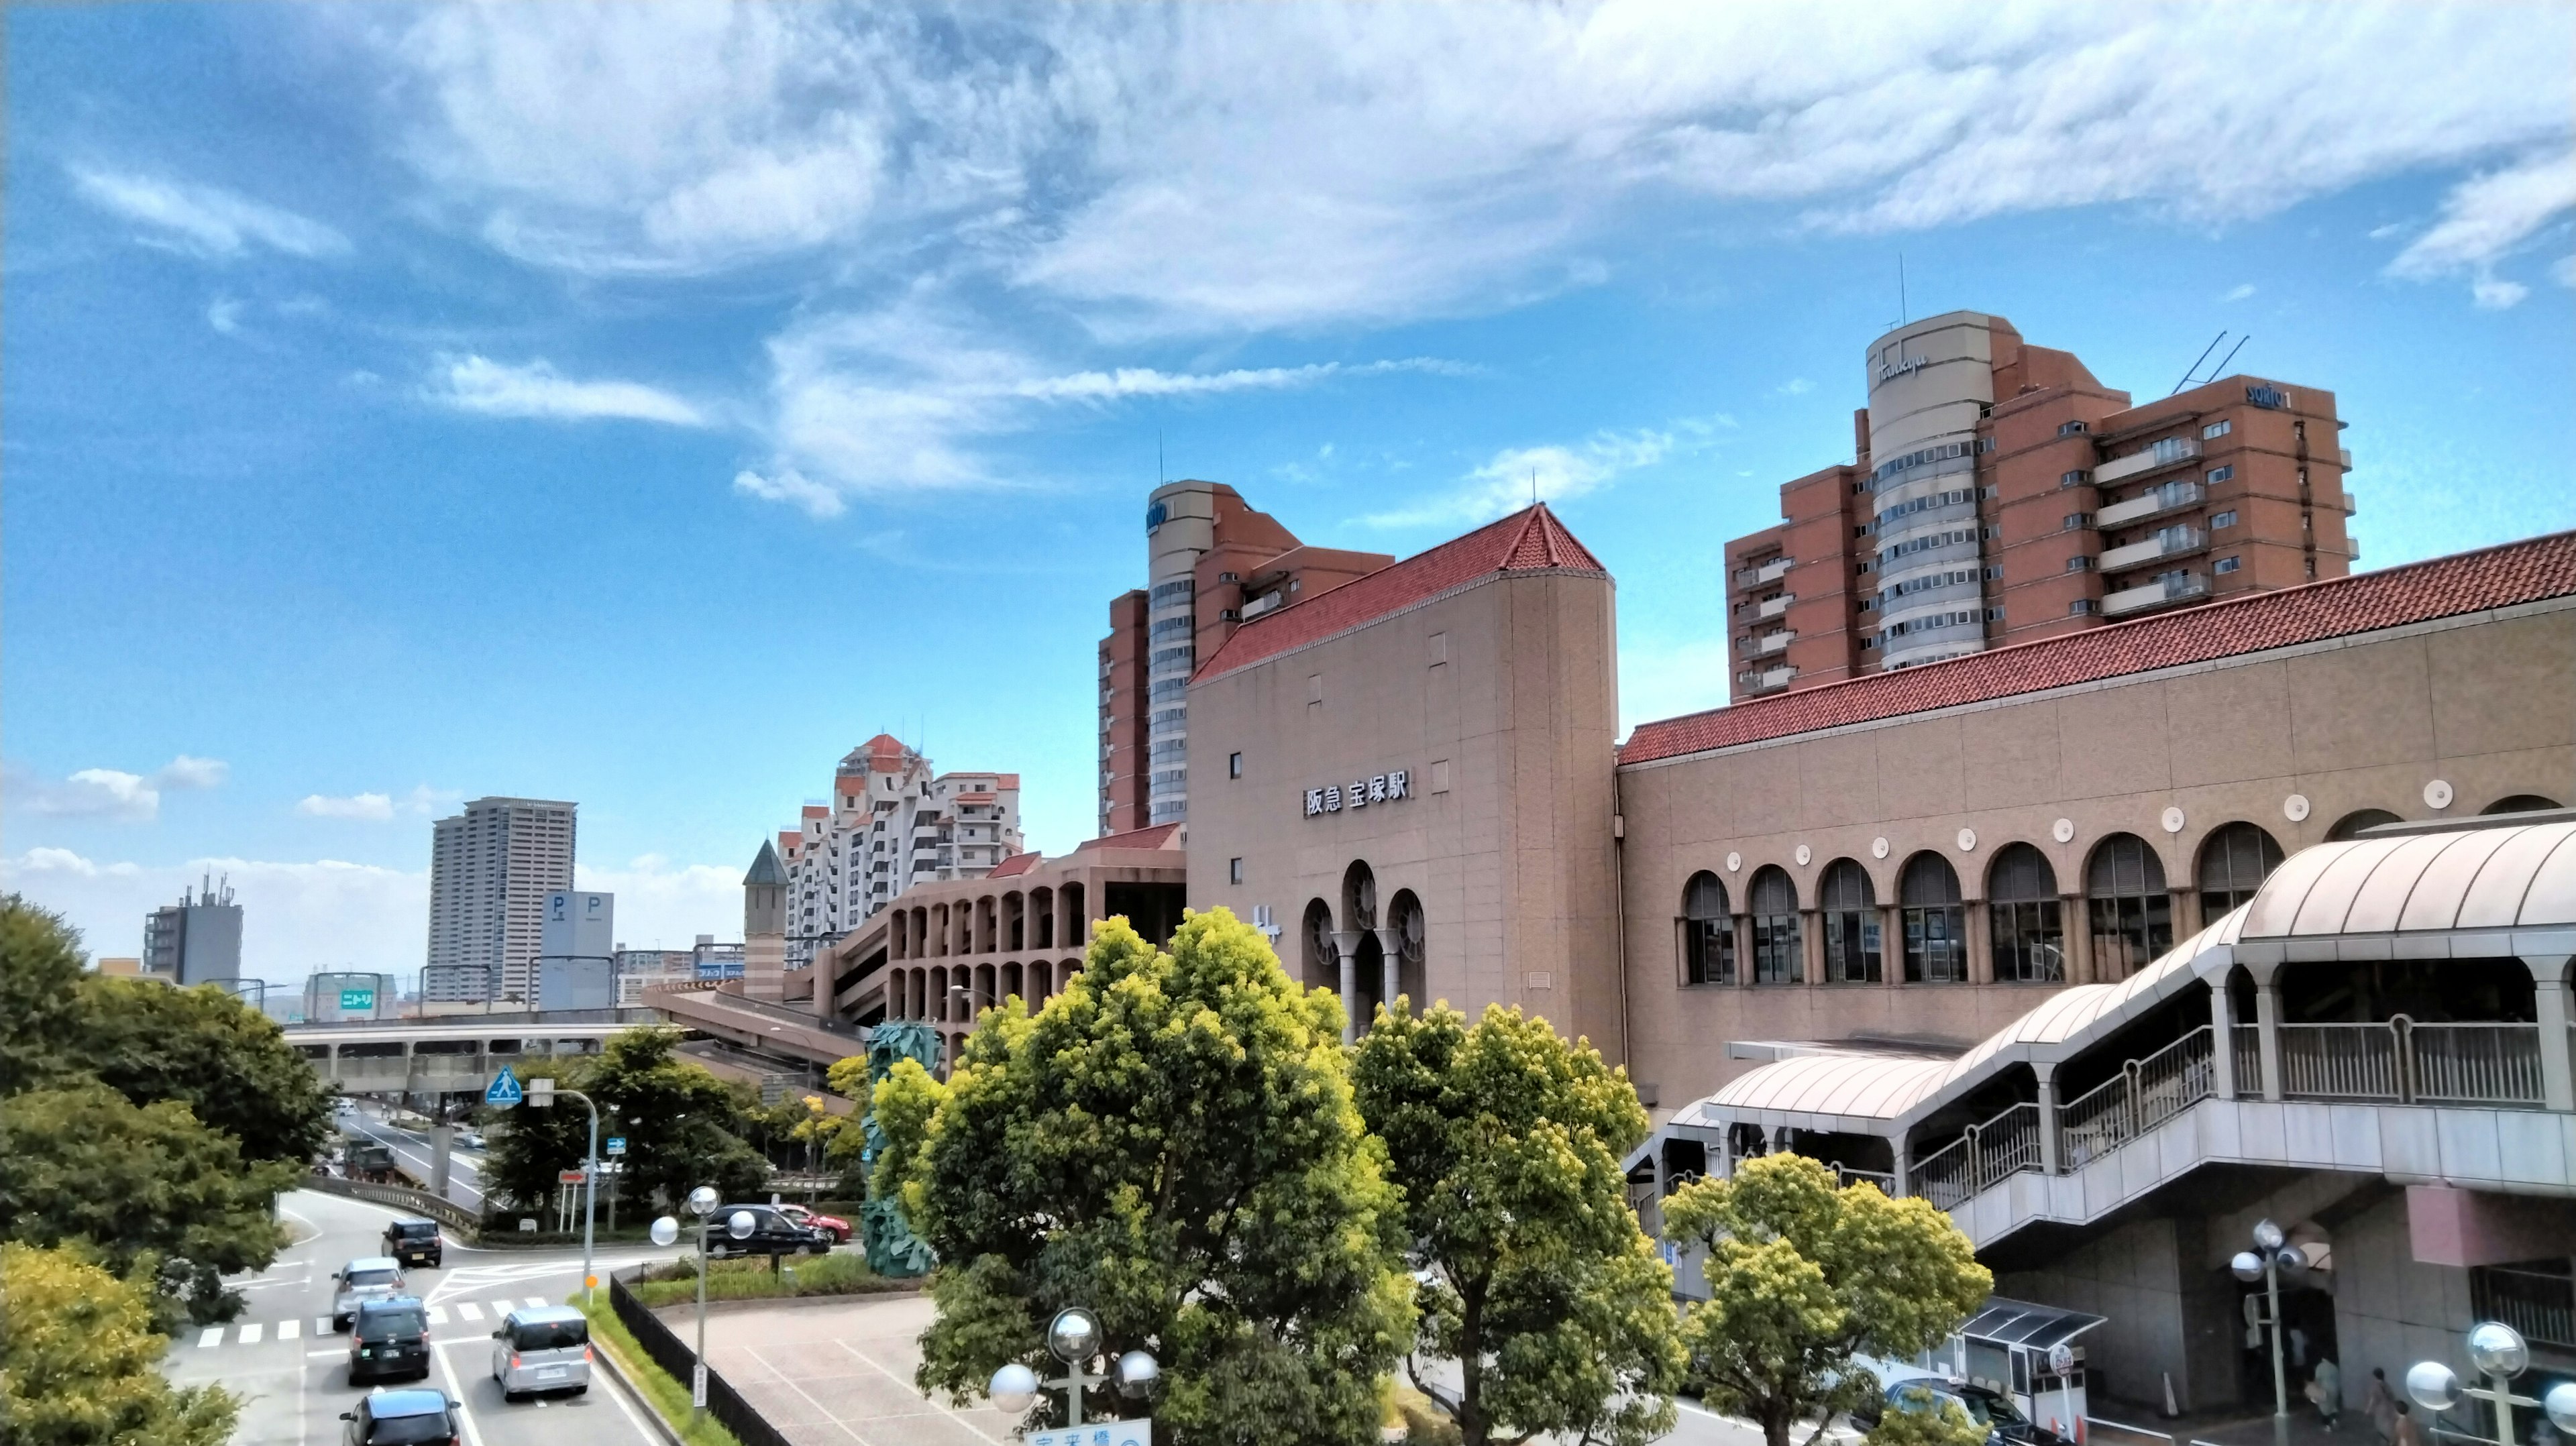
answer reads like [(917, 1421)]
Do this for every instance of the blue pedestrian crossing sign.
[(505, 1089)]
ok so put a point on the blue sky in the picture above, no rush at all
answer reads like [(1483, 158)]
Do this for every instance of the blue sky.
[(643, 405)]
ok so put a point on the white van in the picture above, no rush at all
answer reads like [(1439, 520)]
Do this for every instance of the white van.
[(544, 1348)]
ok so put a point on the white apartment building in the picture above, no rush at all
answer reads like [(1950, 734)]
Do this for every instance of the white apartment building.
[(490, 870), (892, 822)]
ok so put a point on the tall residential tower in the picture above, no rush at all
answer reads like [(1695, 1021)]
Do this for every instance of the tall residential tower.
[(490, 870)]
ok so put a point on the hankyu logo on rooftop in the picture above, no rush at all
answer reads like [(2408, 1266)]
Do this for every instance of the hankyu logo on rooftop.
[(1156, 514), (1358, 793)]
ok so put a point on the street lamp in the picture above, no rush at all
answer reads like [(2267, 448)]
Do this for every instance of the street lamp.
[(541, 1093), (2497, 1350), (2271, 1258), (1074, 1337), (702, 1203)]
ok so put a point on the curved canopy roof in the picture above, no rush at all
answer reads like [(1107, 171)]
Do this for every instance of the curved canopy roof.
[(2486, 878)]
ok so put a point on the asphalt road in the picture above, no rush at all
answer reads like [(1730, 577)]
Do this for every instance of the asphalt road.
[(413, 1149), (292, 1369)]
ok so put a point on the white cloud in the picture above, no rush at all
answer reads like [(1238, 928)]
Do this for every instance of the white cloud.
[(790, 486), (224, 315), (183, 773), (1554, 472), (2485, 219), (2239, 291), (374, 807), (479, 384), (296, 917), (662, 905), (2494, 293), (1795, 387), (204, 219), (110, 793)]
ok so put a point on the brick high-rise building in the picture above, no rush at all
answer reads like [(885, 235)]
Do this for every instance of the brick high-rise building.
[(1999, 494), (1213, 562), (490, 869), (893, 822)]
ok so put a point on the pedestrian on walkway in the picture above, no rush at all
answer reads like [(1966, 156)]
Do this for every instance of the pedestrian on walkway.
[(2326, 1389), (2407, 1432), (2379, 1405)]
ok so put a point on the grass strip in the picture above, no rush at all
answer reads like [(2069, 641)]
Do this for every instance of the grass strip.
[(840, 1273), (663, 1396)]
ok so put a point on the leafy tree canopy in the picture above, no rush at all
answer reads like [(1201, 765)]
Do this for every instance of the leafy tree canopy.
[(1922, 1417), (86, 1163), (679, 1121), (229, 1063), (1506, 1141), (80, 1364), (40, 970), (1171, 1141), (1802, 1276)]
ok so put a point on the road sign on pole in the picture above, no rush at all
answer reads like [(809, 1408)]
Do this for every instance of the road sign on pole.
[(505, 1090), (568, 1177), (541, 1092), (617, 1144)]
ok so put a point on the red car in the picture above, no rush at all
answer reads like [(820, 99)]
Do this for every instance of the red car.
[(839, 1227)]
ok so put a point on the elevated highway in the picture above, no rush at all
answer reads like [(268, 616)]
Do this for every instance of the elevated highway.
[(451, 1053)]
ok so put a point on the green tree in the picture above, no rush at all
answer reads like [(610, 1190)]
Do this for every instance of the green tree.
[(40, 970), (1802, 1276), (844, 1142), (1171, 1142), (229, 1063), (87, 1164), (1924, 1417), (679, 1121), (80, 1364), (1506, 1141)]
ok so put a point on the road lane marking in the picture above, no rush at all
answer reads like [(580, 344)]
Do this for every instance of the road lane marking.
[(288, 1330), (468, 1310), (213, 1336), (456, 1393), (438, 1315), (321, 1325), (250, 1335), (537, 1301), (501, 1308)]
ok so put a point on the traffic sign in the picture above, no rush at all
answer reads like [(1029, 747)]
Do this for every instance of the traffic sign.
[(568, 1177), (358, 999), (1096, 1433), (617, 1144), (505, 1090)]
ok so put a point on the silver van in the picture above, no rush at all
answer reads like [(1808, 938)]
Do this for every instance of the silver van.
[(369, 1277), (543, 1348)]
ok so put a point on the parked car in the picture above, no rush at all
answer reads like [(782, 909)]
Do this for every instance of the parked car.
[(415, 1242), (774, 1232), (2005, 1424), (470, 1140), (389, 1339), (401, 1418), (372, 1277), (802, 1215), (543, 1348)]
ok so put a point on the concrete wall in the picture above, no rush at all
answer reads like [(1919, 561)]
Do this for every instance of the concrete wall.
[(2166, 1312)]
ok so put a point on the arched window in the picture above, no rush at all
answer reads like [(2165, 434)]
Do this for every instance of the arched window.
[(1320, 961), (1404, 917), (1359, 897), (2131, 914), (1708, 934), (2233, 864), (2351, 824), (2029, 937), (2519, 803), (1936, 928), (1774, 902), (1850, 918)]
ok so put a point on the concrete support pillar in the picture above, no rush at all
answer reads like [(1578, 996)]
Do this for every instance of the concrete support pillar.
[(1743, 950), (1811, 946), (1981, 936), (2222, 1029), (1891, 945), (2549, 977), (1904, 1169), (1346, 943), (1390, 948), (2267, 1018), (2048, 1152)]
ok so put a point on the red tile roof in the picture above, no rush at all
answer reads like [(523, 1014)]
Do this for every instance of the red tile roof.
[(1016, 865), (2468, 582), (1531, 540), (1159, 836)]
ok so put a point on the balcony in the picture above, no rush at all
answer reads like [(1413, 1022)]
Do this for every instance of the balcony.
[(2163, 499), (1774, 607), (2168, 542), (2171, 452), (1774, 570), (2343, 457), (2179, 587), (1770, 643), (1769, 680)]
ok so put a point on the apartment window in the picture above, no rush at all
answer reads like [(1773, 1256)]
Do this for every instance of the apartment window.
[(1234, 769), (2069, 429), (1850, 917), (2074, 520), (2082, 607), (2029, 937), (2223, 519), (1936, 932), (1860, 529), (1994, 615), (1708, 934), (2131, 914), (1777, 958), (2216, 475), (1867, 642), (2227, 564), (1234, 871), (2216, 429), (2076, 478), (2079, 564)]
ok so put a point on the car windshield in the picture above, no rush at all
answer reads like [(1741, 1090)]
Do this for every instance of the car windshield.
[(385, 1325), (550, 1335), (409, 1430), (1992, 1410), (362, 1279), (414, 1230)]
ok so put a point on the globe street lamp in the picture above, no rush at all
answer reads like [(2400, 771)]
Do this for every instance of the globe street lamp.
[(2497, 1350), (2271, 1258), (702, 1203), (1074, 1337)]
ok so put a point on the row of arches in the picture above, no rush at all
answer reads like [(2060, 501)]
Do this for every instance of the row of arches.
[(955, 994), (1003, 922), (1366, 956), (2123, 916)]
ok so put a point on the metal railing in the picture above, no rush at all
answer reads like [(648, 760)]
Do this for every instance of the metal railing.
[(2249, 1061), (2404, 1062), (2540, 1305), (2144, 1094), (1985, 1154), (666, 1350)]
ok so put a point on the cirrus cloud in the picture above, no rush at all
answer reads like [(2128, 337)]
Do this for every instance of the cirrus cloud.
[(206, 220), (534, 389)]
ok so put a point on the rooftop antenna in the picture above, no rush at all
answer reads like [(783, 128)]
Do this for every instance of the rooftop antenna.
[(1533, 487), (1160, 477), (2196, 361), (1903, 315), (2220, 370)]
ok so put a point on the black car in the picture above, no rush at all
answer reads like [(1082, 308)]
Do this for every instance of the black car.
[(2005, 1424), (389, 1339), (415, 1242), (401, 1418), (774, 1232)]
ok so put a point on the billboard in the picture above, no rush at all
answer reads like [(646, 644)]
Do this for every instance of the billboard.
[(578, 924)]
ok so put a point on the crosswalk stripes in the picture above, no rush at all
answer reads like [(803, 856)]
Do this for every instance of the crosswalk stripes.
[(537, 1300), (288, 1330), (501, 1308), (212, 1336), (438, 1315), (321, 1325), (468, 1310), (250, 1335)]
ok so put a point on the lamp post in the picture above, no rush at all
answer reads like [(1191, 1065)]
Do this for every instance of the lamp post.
[(2271, 1256), (702, 1203), (2498, 1351), (1074, 1337), (541, 1093)]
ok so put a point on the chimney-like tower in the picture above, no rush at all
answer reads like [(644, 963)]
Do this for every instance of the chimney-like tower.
[(764, 927)]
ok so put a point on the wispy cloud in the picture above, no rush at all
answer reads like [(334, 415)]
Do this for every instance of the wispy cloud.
[(2488, 217), (2239, 292), (112, 794), (297, 916), (1147, 382), (423, 801), (479, 384), (206, 220), (1554, 472), (224, 315)]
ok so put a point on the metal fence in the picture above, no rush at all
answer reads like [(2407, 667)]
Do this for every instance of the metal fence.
[(402, 1197), (2403, 1062), (2144, 1094), (1985, 1154), (673, 1355)]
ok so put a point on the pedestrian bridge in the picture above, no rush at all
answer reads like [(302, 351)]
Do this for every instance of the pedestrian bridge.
[(2397, 1006), (448, 1053)]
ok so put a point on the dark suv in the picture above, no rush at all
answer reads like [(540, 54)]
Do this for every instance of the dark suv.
[(774, 1232), (415, 1242), (401, 1418), (2005, 1424), (390, 1338)]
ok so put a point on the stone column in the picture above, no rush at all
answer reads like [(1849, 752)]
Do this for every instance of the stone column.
[(2186, 914), (1981, 935), (1390, 947), (1811, 946), (1346, 943), (1891, 944), (2267, 1018), (2078, 936), (2222, 1028), (1743, 950), (2550, 990), (1904, 1181), (2048, 1152)]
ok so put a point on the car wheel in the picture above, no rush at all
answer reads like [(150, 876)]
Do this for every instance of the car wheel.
[(339, 1322), (510, 1397), (582, 1389)]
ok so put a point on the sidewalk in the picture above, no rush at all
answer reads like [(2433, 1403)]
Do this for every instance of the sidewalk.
[(839, 1374)]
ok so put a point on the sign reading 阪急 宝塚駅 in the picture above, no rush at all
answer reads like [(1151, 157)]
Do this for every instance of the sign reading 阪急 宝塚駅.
[(1387, 787)]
